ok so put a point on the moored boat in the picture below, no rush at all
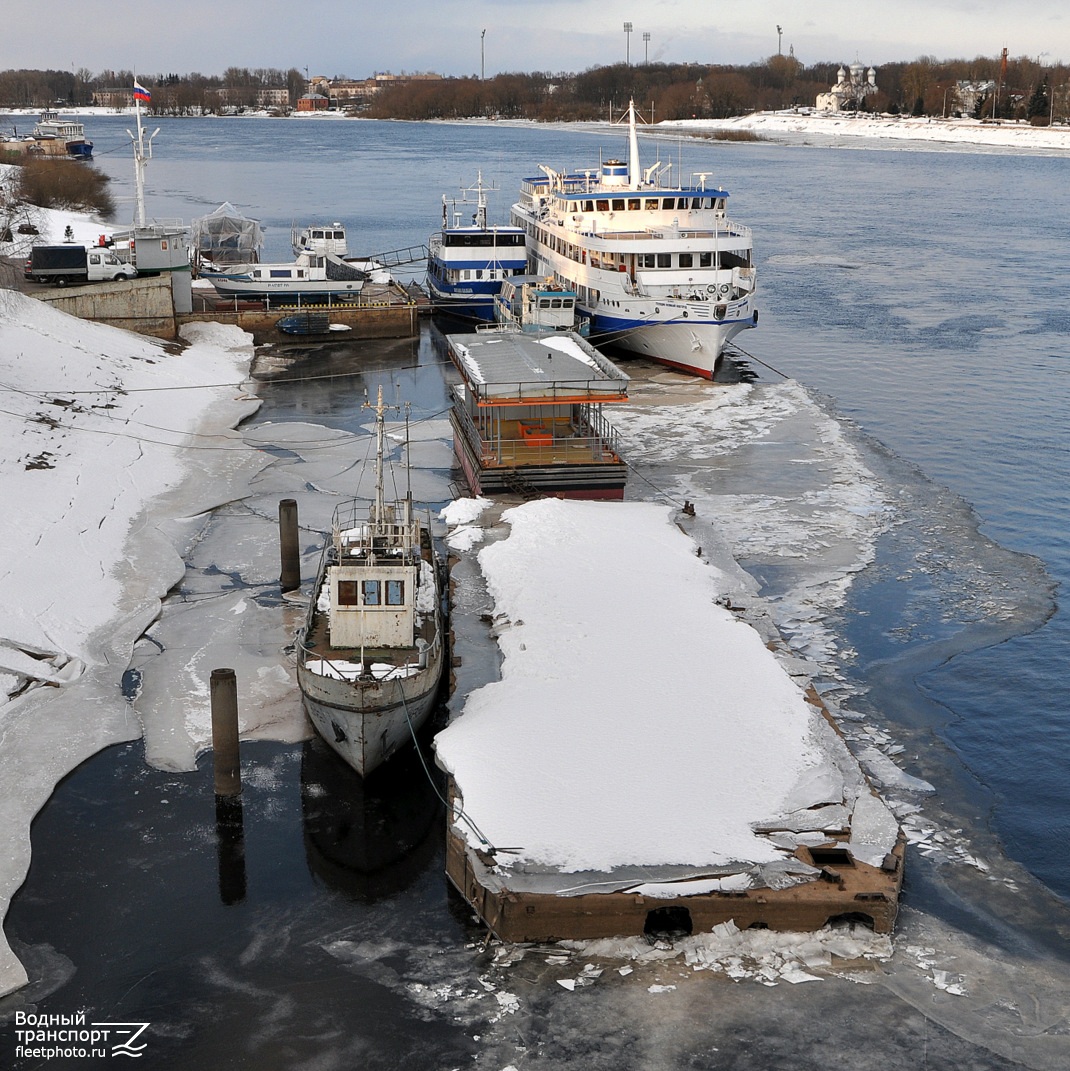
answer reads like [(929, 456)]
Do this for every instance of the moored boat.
[(658, 268), (536, 304), (468, 262), (329, 239), (309, 323), (528, 417), (62, 137), (310, 279), (370, 653)]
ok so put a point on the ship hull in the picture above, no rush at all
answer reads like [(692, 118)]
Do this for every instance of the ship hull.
[(695, 347), (367, 722)]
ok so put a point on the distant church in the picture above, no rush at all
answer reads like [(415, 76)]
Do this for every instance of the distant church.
[(851, 89)]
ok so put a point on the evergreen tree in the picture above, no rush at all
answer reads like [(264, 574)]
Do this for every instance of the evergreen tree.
[(1039, 105)]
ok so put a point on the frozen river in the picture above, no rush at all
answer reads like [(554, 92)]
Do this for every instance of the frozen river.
[(900, 503)]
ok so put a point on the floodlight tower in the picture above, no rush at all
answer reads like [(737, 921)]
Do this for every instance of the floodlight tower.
[(779, 33), (646, 48), (628, 43), (482, 58)]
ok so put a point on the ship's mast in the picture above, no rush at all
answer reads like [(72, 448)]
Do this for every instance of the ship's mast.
[(142, 154), (380, 444), (481, 203), (633, 148)]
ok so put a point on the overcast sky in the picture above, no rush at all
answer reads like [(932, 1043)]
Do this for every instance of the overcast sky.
[(360, 37)]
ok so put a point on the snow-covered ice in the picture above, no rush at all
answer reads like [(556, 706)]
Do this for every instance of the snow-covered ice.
[(105, 432)]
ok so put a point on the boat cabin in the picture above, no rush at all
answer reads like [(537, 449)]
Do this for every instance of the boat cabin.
[(320, 239), (536, 303), (374, 583)]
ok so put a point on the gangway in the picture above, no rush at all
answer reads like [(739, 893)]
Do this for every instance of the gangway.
[(396, 258)]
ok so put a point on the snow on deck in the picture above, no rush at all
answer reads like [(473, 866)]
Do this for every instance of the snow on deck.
[(638, 722), (500, 361)]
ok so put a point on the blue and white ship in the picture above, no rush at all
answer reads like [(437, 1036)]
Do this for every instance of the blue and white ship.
[(62, 137), (658, 268), (467, 262)]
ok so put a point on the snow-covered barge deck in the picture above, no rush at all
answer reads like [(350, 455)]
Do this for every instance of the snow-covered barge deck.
[(645, 762)]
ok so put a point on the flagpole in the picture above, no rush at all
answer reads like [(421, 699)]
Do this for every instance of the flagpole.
[(139, 162), (140, 154)]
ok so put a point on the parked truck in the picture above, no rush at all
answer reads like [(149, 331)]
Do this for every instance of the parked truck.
[(63, 264)]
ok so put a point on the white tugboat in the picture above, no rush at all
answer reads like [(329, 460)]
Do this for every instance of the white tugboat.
[(370, 654)]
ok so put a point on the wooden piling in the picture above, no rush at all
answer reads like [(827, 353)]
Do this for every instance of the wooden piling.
[(226, 761), (290, 578)]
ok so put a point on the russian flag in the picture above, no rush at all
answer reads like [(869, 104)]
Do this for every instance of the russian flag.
[(141, 93)]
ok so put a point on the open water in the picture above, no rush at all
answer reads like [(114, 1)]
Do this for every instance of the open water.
[(920, 299)]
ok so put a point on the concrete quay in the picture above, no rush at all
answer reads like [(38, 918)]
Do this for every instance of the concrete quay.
[(147, 306)]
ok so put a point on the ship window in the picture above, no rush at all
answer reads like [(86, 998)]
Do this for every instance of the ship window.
[(696, 202), (618, 204), (646, 260), (395, 593), (652, 204), (705, 260), (555, 303), (603, 206), (588, 206), (664, 260), (280, 273), (686, 260), (633, 204), (317, 234), (670, 202), (370, 588), (347, 592)]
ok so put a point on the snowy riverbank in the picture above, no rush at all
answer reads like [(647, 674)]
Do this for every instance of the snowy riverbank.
[(115, 444), (893, 130), (802, 123)]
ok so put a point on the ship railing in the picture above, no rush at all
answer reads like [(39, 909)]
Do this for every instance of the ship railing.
[(724, 229), (570, 450), (591, 437), (464, 422), (419, 661)]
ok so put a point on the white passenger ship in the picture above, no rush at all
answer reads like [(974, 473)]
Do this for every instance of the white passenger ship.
[(659, 270)]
